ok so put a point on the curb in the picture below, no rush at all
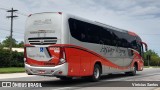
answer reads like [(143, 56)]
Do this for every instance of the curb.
[(14, 75), (157, 89)]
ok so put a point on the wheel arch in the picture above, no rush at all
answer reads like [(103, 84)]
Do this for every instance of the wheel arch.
[(136, 64), (100, 64)]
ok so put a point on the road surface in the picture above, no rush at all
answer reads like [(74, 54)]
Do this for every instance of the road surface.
[(148, 74)]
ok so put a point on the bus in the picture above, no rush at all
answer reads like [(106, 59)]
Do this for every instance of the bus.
[(66, 46)]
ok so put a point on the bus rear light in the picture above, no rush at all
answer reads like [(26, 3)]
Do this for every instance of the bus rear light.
[(62, 58), (55, 49), (25, 52)]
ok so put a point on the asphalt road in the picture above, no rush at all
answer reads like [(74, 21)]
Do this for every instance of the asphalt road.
[(149, 74)]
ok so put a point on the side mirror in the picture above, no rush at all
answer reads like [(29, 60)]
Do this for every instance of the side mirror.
[(146, 47)]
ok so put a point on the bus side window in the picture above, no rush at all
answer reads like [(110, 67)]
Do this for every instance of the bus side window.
[(139, 46), (134, 44), (130, 52), (82, 36), (73, 25)]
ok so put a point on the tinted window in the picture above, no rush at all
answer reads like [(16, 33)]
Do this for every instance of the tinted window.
[(87, 32)]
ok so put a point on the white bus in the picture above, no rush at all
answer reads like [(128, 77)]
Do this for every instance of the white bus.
[(66, 46)]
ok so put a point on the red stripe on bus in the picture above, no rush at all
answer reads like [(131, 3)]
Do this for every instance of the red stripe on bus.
[(103, 60)]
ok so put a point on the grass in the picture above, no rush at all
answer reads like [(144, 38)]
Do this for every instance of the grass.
[(12, 70), (152, 66)]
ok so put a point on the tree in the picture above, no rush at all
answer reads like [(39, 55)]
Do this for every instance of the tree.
[(151, 52), (155, 59), (21, 44), (1, 46), (6, 42)]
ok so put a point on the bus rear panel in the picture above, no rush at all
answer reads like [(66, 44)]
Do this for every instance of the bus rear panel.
[(43, 30)]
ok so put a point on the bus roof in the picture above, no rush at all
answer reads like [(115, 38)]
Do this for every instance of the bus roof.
[(91, 21)]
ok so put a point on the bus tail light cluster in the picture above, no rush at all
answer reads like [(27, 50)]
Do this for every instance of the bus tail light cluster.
[(62, 58), (25, 56)]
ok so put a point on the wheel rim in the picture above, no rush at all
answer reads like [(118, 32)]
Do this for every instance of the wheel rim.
[(96, 73)]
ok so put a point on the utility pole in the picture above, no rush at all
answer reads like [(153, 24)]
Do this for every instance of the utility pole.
[(148, 59), (11, 32)]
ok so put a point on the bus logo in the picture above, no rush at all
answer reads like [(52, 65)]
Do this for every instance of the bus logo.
[(41, 49), (41, 41)]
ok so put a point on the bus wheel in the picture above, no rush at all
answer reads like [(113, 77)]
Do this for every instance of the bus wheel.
[(65, 78), (132, 73), (96, 73)]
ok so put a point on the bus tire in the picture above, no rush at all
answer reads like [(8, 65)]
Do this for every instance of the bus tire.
[(96, 73), (132, 73)]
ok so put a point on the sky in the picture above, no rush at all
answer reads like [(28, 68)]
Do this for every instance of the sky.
[(139, 16)]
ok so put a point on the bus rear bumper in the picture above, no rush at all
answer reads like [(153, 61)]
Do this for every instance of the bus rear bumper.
[(59, 70)]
